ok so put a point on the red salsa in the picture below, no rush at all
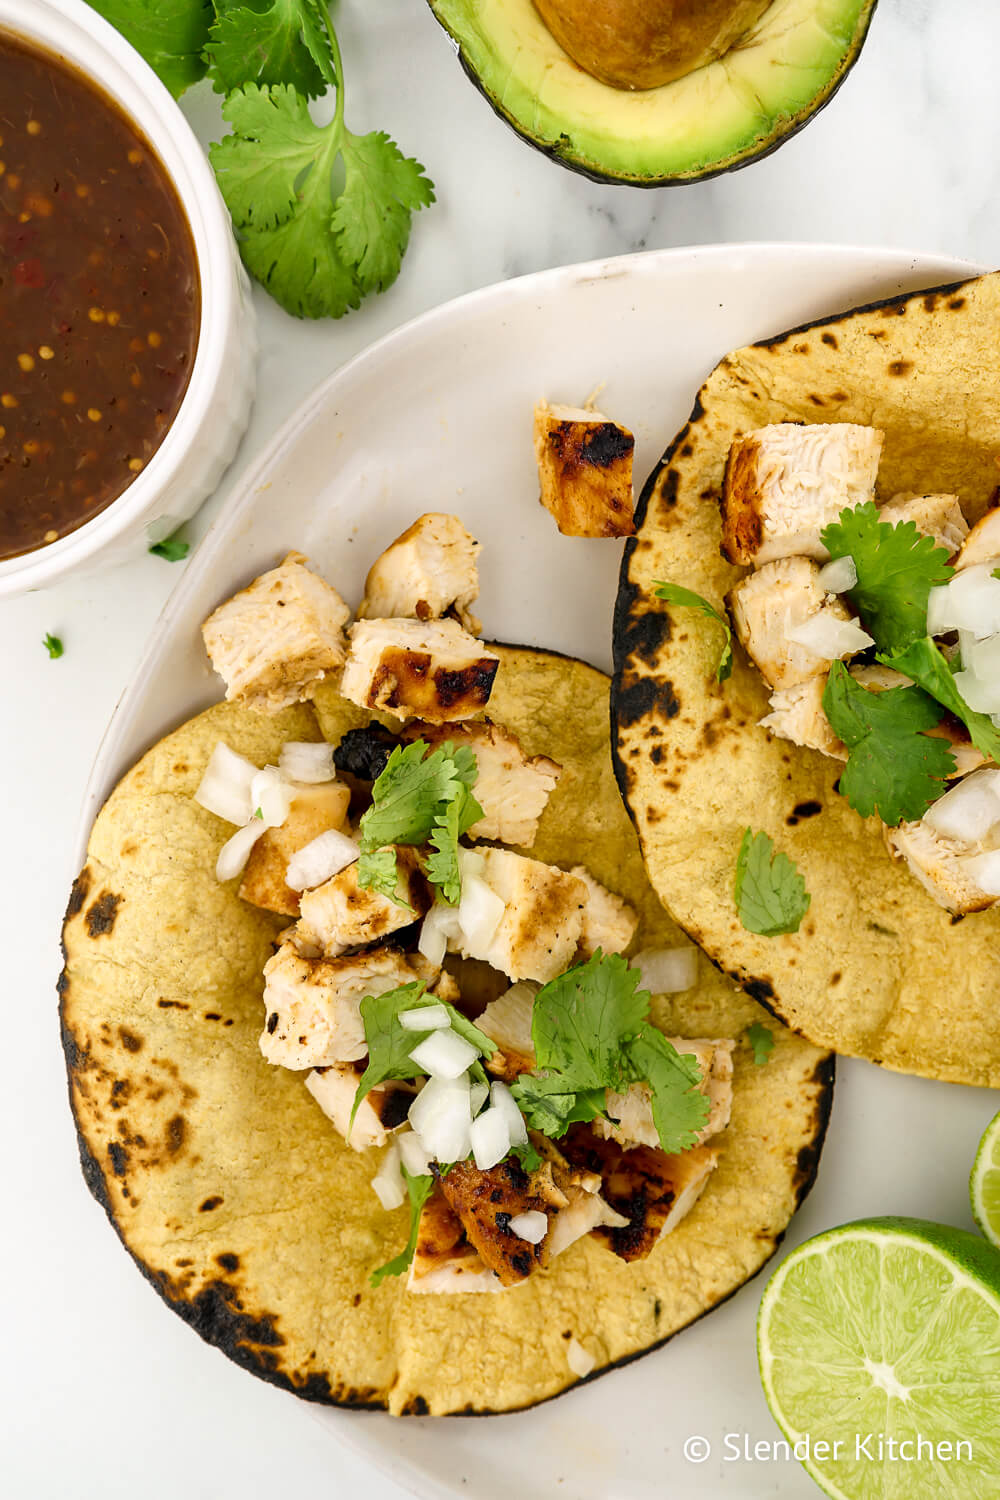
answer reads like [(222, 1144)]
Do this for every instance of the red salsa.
[(99, 299)]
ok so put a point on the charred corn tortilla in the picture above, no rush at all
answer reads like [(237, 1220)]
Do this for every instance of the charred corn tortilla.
[(236, 1196), (877, 970)]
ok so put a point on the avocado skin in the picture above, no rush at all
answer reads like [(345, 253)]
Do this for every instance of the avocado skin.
[(560, 150)]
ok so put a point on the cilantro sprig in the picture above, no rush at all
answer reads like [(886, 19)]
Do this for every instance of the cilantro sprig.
[(672, 593), (170, 34), (591, 1032), (897, 566), (53, 645), (771, 896), (418, 1190), (286, 41), (760, 1039)]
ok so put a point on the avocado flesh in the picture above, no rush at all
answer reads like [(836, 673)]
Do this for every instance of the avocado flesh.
[(717, 117)]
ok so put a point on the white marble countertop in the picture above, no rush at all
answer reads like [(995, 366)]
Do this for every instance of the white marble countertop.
[(104, 1393)]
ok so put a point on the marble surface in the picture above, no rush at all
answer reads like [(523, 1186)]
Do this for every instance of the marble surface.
[(102, 1391)]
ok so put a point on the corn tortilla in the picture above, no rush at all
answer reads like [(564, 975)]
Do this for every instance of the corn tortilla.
[(236, 1196)]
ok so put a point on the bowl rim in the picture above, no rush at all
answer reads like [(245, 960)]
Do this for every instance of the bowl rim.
[(72, 32)]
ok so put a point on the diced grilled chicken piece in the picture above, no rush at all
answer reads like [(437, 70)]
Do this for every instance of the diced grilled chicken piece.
[(341, 914), (630, 1121), (507, 1020), (411, 669), (313, 810), (785, 483), (425, 573), (778, 596), (939, 864), (584, 470), (486, 1202), (939, 516), (652, 1190), (609, 922), (879, 679), (444, 1260), (382, 1111), (512, 788), (982, 545), (540, 929), (278, 638), (797, 714), (313, 1005)]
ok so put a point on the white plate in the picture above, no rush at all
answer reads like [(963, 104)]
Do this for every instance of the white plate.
[(438, 416)]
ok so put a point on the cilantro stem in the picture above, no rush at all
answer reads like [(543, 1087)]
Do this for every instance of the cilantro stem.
[(338, 68)]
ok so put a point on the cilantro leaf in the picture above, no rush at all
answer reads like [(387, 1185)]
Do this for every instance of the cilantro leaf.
[(442, 866), (411, 792), (418, 1190), (173, 548), (286, 41), (771, 895), (582, 1021), (680, 1109), (382, 190), (170, 34), (390, 1044), (552, 1105), (897, 567), (893, 767), (672, 593), (53, 646), (378, 871), (925, 664), (761, 1040), (529, 1158)]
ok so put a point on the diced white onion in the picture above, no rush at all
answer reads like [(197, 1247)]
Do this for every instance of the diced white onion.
[(236, 851), (829, 637), (478, 1095), (388, 1183), (320, 860), (412, 1154), (303, 760), (444, 1054), (442, 1118), (980, 657), (271, 795), (665, 971), (969, 810), (979, 693), (532, 1226), (838, 576), (579, 1361), (501, 1098), (470, 862), (440, 924), (425, 1018), (224, 789), (479, 913), (490, 1138), (970, 601), (984, 870)]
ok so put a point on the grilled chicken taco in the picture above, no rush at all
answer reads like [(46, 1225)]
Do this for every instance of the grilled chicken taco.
[(380, 1044), (820, 806)]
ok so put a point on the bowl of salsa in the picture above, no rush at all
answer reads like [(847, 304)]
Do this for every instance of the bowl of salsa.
[(126, 329)]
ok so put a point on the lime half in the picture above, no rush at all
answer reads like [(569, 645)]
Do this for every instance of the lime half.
[(984, 1184), (879, 1349)]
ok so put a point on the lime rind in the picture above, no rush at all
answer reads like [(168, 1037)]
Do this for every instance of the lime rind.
[(889, 1328), (984, 1183)]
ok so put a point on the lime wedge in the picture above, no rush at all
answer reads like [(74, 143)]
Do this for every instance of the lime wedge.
[(879, 1350), (984, 1184)]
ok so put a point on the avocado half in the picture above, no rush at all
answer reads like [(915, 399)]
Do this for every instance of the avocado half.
[(719, 117)]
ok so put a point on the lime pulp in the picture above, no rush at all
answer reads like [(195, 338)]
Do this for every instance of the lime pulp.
[(984, 1184)]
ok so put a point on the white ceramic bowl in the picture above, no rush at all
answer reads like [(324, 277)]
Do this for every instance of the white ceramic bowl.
[(211, 419)]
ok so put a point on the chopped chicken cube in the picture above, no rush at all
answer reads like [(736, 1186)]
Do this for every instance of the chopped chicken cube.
[(538, 934), (797, 714), (585, 471), (444, 1260), (939, 516), (408, 668), (314, 810), (425, 573), (779, 596), (630, 1121), (982, 545), (507, 1021), (278, 638), (939, 864), (609, 922), (382, 1111), (653, 1191), (314, 1004), (784, 483), (512, 788), (341, 914)]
